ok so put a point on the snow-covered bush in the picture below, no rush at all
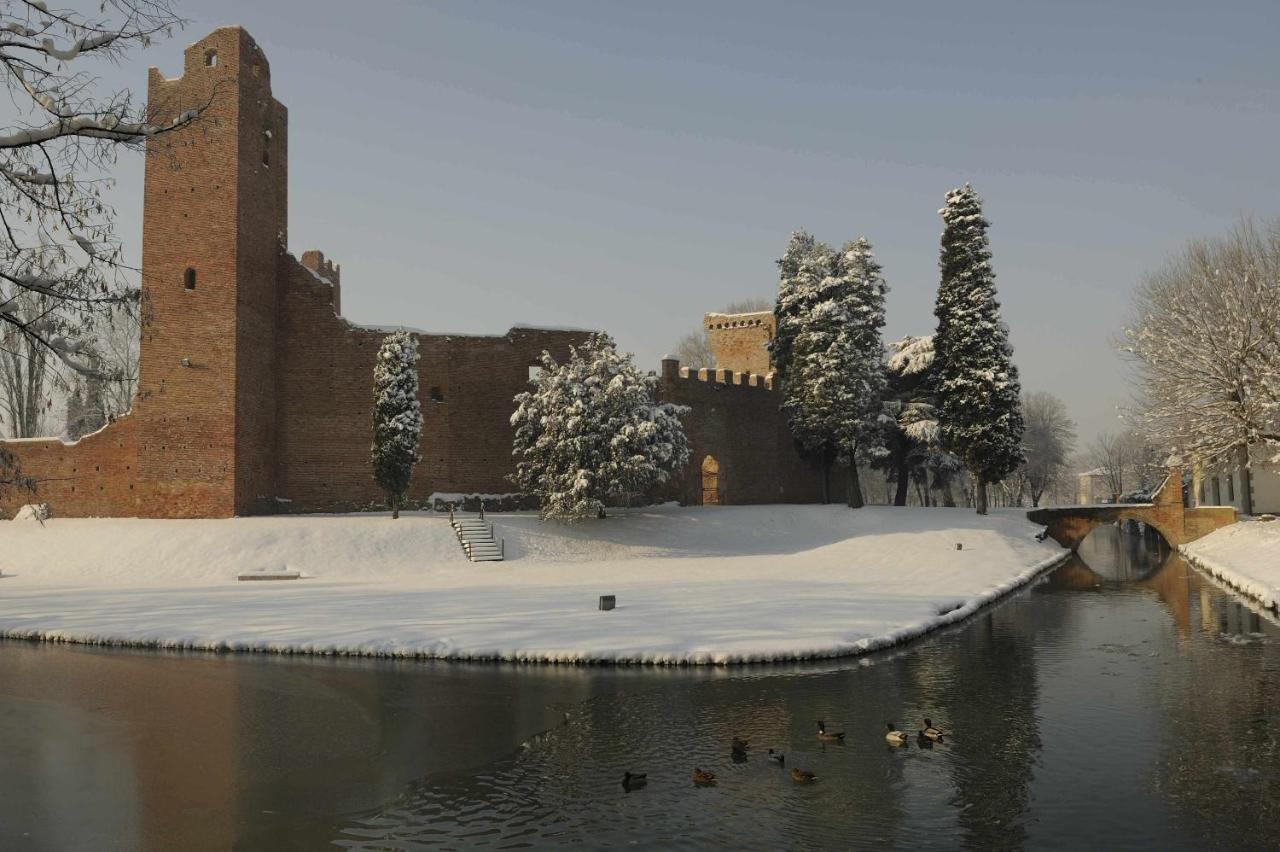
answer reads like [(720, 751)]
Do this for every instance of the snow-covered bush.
[(33, 512), (397, 416), (979, 406), (590, 433)]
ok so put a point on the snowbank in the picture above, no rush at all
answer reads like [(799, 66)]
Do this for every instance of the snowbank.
[(694, 585), (1245, 556)]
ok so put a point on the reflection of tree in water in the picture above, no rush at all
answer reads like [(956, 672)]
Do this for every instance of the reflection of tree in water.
[(1220, 757), (991, 708)]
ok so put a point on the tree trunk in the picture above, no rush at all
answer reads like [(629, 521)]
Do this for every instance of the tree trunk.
[(1246, 483), (855, 487), (980, 494), (395, 506), (948, 499), (904, 468)]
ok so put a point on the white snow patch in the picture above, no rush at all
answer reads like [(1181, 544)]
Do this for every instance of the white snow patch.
[(694, 585), (1245, 556)]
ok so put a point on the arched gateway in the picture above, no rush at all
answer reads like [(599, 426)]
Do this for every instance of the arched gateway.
[(1070, 525)]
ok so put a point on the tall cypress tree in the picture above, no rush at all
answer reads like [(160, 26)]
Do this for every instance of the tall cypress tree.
[(397, 416), (979, 407)]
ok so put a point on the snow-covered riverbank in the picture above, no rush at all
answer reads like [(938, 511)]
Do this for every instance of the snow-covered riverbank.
[(1245, 556), (693, 585)]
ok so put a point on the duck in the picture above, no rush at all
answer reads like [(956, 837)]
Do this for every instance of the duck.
[(894, 736), (778, 757), (823, 734), (801, 776), (740, 744), (931, 732), (702, 778), (634, 780)]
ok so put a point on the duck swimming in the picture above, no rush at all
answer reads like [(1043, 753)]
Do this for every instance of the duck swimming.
[(894, 736), (823, 734), (703, 779), (634, 780)]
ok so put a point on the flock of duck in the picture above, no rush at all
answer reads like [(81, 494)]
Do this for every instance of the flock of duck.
[(739, 749)]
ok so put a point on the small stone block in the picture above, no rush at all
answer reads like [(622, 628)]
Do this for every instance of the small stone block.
[(608, 602), (271, 575), (959, 546)]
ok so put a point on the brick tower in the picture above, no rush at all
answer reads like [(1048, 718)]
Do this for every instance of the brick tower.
[(740, 342), (214, 223)]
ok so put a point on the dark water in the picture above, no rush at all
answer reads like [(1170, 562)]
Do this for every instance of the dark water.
[(1123, 702)]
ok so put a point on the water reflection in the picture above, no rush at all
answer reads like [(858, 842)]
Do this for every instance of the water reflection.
[(1125, 701)]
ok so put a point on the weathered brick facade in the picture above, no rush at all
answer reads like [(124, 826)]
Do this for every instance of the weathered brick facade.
[(739, 342), (255, 395), (735, 420)]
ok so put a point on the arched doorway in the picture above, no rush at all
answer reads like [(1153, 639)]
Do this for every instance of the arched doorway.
[(710, 481)]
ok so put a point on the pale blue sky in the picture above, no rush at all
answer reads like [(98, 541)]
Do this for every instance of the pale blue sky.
[(629, 165)]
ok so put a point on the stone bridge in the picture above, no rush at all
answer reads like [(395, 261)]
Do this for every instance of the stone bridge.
[(1069, 525)]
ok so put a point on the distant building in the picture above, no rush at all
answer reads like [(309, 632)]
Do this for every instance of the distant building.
[(1092, 487)]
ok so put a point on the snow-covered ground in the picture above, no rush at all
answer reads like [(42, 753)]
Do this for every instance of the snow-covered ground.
[(696, 585), (1245, 556)]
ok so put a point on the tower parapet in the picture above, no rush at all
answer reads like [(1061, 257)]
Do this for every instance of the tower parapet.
[(740, 342)]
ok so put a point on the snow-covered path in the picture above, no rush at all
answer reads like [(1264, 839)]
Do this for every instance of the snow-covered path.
[(700, 585), (1245, 556)]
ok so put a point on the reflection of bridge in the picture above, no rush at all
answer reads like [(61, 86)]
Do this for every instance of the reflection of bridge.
[(1165, 513)]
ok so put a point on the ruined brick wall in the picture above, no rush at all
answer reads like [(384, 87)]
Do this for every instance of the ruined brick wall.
[(96, 476), (735, 419), (739, 341), (466, 387)]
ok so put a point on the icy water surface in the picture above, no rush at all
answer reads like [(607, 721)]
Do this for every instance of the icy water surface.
[(1123, 702)]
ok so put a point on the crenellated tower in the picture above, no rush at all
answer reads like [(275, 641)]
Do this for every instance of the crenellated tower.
[(214, 223)]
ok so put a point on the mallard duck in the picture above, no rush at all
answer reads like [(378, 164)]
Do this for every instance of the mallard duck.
[(802, 777), (740, 744), (930, 731), (894, 736), (777, 757), (703, 778), (634, 780), (823, 734)]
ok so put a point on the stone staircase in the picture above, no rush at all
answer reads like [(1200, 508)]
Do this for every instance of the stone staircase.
[(477, 539)]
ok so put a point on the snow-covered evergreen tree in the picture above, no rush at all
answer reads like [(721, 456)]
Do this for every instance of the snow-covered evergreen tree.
[(834, 385), (796, 282), (979, 407), (590, 433), (397, 416)]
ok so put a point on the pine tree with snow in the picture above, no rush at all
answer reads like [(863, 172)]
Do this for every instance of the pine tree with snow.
[(795, 285), (397, 416), (590, 434), (834, 388), (979, 407)]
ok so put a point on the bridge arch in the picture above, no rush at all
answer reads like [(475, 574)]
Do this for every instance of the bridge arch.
[(1165, 514)]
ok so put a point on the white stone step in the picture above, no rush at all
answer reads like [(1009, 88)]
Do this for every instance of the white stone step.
[(491, 558)]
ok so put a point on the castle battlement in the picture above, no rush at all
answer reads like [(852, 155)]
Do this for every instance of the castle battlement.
[(672, 371)]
